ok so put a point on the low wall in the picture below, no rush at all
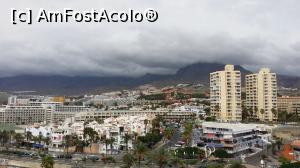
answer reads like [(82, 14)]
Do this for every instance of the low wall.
[(32, 164)]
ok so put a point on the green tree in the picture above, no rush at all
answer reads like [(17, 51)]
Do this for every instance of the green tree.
[(109, 142), (146, 121), (47, 140), (256, 111), (11, 135), (160, 157), (220, 153), (262, 112), (245, 113), (156, 122), (126, 138), (69, 140), (139, 151), (91, 134), (47, 162), (188, 130), (291, 165), (282, 116), (168, 133), (4, 137), (128, 160), (19, 138), (283, 160), (274, 112), (236, 164), (28, 136), (135, 135), (106, 141), (40, 138), (215, 165), (177, 162)]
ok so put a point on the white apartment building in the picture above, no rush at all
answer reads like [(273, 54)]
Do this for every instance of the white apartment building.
[(225, 94), (261, 94), (232, 137), (110, 128)]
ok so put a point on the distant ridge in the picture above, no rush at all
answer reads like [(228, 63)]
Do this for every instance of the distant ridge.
[(194, 73)]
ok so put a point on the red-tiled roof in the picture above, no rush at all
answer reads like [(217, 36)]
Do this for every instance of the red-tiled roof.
[(286, 152)]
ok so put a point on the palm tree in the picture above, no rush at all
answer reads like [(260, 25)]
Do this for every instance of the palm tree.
[(111, 142), (186, 136), (84, 126), (28, 136), (161, 157), (35, 139), (236, 164), (127, 137), (19, 138), (187, 132), (128, 160), (47, 162), (245, 113), (256, 111), (135, 135), (139, 151), (156, 122), (66, 142), (79, 144), (278, 143), (4, 136), (274, 112), (262, 112), (282, 116), (91, 134), (168, 133), (40, 138), (46, 140), (177, 162), (217, 107), (146, 123), (11, 134)]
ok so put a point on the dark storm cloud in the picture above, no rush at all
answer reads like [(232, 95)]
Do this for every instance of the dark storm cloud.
[(251, 33)]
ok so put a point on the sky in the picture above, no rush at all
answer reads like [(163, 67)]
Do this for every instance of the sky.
[(251, 33)]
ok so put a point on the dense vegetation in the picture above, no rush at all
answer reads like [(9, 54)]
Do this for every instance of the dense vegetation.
[(160, 96)]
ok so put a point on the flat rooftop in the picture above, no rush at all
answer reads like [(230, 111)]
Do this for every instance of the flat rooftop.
[(236, 127)]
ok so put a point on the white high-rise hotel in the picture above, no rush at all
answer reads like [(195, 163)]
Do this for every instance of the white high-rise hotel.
[(225, 94), (261, 94)]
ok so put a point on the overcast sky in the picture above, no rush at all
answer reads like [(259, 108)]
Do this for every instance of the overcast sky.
[(252, 33)]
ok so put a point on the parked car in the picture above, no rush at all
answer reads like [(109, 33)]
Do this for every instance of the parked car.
[(93, 157)]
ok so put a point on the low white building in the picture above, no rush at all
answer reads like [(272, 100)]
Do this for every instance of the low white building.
[(233, 137), (112, 127)]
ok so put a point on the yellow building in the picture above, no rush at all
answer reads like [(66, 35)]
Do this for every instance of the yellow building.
[(288, 104), (261, 94), (60, 99), (225, 94)]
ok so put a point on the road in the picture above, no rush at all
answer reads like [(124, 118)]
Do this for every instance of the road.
[(62, 162), (255, 159), (176, 137)]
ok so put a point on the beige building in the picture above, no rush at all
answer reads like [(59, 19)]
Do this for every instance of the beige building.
[(164, 113), (288, 104), (24, 114), (261, 94), (225, 94)]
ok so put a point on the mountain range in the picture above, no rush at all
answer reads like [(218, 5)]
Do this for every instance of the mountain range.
[(72, 85)]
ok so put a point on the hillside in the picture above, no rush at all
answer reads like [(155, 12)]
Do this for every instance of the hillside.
[(195, 73)]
